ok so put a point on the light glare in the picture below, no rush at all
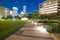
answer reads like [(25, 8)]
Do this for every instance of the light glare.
[(41, 29), (24, 19)]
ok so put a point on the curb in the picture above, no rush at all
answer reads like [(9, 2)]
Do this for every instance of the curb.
[(54, 36)]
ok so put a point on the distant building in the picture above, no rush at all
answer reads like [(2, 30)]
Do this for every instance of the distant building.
[(15, 11), (24, 9), (4, 11), (11, 12), (1, 10), (49, 6), (23, 12)]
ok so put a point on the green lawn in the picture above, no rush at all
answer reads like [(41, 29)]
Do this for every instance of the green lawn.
[(8, 27)]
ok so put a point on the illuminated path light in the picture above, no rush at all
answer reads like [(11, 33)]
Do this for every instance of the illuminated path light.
[(41, 29), (35, 23), (24, 19), (32, 21)]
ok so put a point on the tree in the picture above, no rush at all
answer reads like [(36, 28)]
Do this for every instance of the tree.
[(9, 17), (29, 15), (36, 15), (17, 17), (4, 17)]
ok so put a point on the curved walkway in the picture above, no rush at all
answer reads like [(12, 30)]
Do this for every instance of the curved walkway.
[(29, 33)]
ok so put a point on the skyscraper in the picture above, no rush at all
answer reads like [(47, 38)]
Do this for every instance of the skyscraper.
[(15, 11), (24, 9)]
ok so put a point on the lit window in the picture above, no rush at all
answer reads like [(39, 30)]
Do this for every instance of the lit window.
[(49, 2), (45, 4)]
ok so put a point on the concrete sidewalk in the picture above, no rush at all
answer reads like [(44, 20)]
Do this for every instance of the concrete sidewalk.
[(29, 33)]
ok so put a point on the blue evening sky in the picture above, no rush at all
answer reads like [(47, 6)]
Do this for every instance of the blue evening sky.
[(31, 4)]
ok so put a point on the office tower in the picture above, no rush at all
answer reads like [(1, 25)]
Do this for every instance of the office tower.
[(15, 11), (24, 9)]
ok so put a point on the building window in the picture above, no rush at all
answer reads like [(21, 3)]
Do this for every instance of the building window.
[(45, 4), (49, 2)]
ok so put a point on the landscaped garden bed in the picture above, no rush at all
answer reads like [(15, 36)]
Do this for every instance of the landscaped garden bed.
[(55, 27)]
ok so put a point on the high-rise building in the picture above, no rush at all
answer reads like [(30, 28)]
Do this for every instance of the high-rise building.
[(49, 6), (24, 9), (15, 11), (4, 11)]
